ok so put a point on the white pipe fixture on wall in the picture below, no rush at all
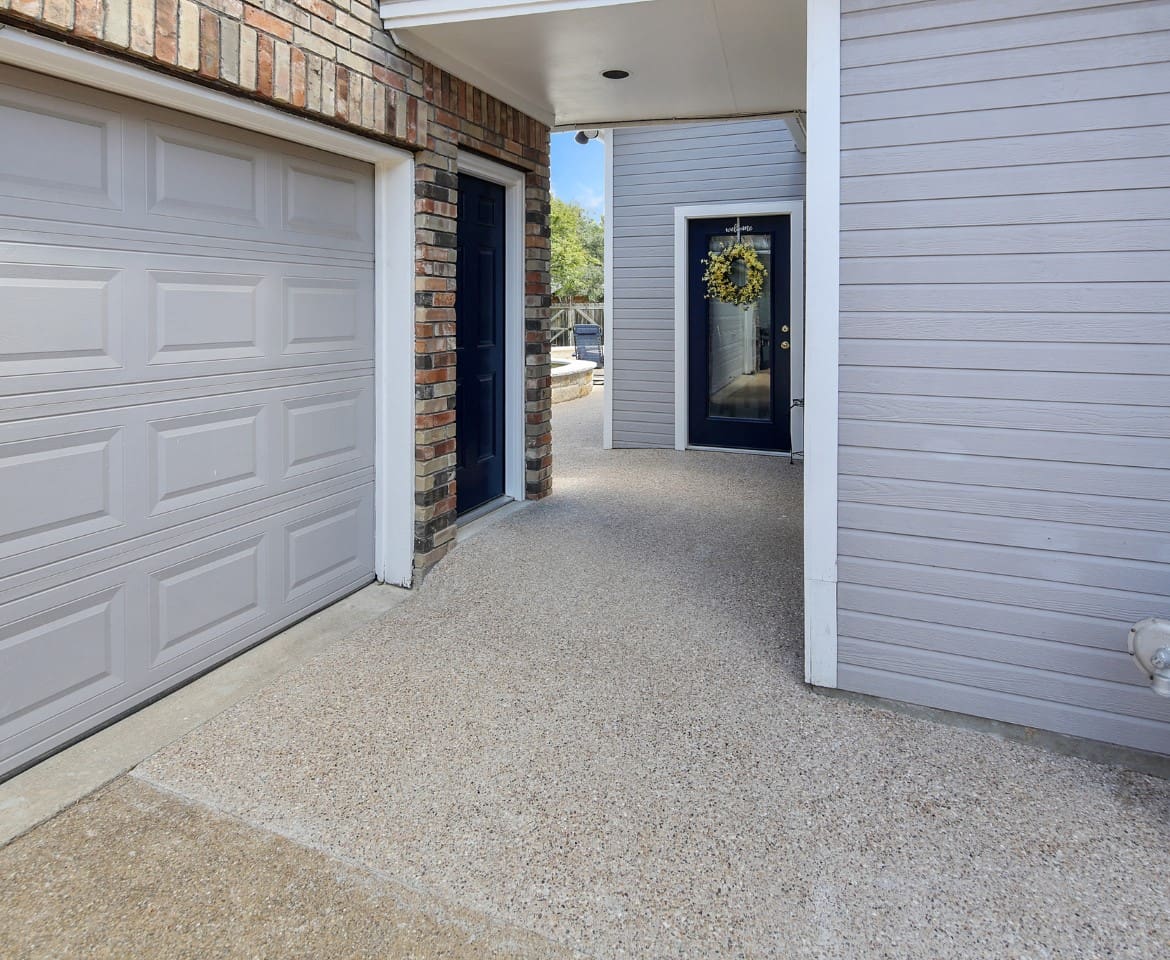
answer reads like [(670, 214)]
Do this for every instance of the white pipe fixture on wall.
[(1149, 645)]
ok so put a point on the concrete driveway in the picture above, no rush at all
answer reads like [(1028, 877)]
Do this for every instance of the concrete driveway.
[(586, 735)]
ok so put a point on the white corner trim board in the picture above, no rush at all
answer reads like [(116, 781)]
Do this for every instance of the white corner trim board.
[(823, 250), (394, 371), (393, 247), (513, 182), (405, 14), (794, 210), (606, 138)]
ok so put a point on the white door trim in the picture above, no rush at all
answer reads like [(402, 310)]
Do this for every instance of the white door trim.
[(513, 182), (794, 210), (606, 137), (822, 347), (393, 252)]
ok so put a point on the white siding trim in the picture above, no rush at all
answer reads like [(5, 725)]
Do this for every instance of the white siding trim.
[(606, 137), (513, 182), (394, 371), (822, 341), (794, 210), (393, 244), (404, 14)]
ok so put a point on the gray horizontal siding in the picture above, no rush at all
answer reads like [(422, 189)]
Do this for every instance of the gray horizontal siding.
[(1005, 358), (656, 169)]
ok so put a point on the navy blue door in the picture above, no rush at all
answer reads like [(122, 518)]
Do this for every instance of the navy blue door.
[(479, 345), (739, 358)]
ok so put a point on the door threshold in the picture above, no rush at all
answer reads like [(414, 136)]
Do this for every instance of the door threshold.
[(758, 453), (474, 521)]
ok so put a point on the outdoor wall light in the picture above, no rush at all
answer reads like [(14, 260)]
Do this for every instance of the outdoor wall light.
[(1149, 645), (615, 74), (584, 136)]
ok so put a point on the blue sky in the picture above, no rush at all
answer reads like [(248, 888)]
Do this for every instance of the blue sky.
[(578, 172)]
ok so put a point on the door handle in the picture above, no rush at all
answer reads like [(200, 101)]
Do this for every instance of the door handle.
[(784, 345)]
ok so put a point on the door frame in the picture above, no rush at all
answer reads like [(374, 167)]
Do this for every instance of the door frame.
[(794, 210), (394, 254), (514, 183)]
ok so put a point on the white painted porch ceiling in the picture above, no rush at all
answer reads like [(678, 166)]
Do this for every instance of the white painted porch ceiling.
[(687, 58)]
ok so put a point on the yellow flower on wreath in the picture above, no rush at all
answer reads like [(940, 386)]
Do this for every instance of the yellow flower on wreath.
[(720, 280)]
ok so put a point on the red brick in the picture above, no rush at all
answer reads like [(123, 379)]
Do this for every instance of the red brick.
[(208, 44), (267, 23), (434, 420), (298, 77), (324, 10), (88, 17), (265, 48), (166, 30), (389, 77)]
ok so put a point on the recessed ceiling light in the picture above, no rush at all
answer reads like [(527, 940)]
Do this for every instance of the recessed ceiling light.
[(615, 74)]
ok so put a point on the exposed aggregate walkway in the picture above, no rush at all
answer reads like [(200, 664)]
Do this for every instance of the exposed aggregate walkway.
[(587, 735)]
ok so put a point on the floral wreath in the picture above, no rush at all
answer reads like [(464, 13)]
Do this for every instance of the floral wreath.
[(719, 278)]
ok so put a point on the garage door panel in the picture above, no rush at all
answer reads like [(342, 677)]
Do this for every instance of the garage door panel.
[(203, 600), (67, 650), (202, 457), (197, 176), (63, 402), (324, 548), (195, 459), (60, 488), (59, 152), (186, 402), (322, 314), (205, 316), (326, 431), (59, 565), (201, 315), (213, 594), (58, 316), (98, 622), (320, 200), (179, 170)]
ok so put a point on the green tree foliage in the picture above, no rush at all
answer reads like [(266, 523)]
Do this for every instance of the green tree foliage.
[(578, 252)]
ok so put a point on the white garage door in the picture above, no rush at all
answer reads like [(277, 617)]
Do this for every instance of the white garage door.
[(186, 399)]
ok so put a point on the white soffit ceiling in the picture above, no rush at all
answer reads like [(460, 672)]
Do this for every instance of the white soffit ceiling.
[(688, 59)]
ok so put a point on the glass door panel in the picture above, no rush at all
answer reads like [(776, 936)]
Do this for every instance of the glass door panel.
[(739, 346)]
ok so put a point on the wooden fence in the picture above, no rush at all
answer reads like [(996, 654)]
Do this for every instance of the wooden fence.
[(565, 315)]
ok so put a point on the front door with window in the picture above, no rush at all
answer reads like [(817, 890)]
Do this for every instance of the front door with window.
[(479, 345), (739, 357)]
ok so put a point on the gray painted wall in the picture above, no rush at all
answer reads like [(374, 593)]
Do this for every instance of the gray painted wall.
[(1005, 358), (656, 169)]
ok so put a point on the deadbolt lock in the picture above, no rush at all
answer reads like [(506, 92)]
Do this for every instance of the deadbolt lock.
[(784, 329), (784, 345)]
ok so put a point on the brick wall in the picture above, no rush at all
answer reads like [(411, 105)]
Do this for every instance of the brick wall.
[(333, 61)]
